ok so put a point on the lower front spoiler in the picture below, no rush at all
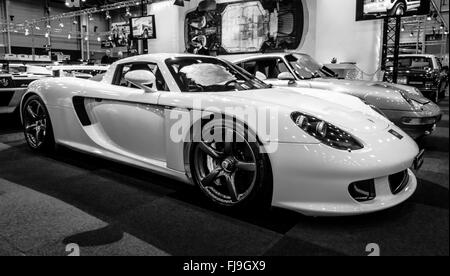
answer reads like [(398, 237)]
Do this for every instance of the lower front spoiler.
[(384, 200)]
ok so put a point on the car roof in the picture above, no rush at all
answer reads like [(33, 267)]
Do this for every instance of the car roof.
[(160, 57)]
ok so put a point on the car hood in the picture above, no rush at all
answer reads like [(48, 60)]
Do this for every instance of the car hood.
[(337, 109), (383, 95)]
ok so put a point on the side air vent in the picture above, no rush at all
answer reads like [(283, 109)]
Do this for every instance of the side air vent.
[(78, 103), (398, 182)]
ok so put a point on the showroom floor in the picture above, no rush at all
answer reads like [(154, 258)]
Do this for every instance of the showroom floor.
[(112, 209)]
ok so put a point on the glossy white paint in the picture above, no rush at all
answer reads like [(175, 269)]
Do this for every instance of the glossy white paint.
[(132, 126)]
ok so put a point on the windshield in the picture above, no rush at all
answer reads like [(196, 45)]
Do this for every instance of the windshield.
[(305, 67), (203, 74), (411, 63)]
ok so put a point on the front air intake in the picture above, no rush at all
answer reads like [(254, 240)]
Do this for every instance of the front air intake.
[(398, 181), (363, 191)]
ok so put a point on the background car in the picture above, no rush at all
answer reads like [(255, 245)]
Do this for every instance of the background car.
[(14, 80), (424, 72), (321, 157), (390, 7), (403, 105), (78, 71)]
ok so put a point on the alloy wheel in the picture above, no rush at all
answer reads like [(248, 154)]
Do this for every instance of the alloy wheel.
[(35, 122), (226, 171)]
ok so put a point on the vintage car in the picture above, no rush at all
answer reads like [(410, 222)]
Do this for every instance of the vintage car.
[(403, 105), (14, 84), (424, 72), (208, 123), (78, 71), (390, 7), (14, 81)]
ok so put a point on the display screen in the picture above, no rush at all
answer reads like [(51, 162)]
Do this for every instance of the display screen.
[(379, 9), (143, 27), (246, 26)]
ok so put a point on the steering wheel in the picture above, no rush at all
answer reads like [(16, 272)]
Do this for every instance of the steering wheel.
[(230, 82)]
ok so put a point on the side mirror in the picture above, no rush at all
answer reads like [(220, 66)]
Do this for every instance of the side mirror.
[(260, 76), (143, 79), (286, 76)]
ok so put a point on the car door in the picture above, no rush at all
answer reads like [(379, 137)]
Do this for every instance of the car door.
[(413, 4), (130, 121)]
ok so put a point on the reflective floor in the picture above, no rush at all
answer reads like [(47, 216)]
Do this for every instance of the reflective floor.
[(111, 209)]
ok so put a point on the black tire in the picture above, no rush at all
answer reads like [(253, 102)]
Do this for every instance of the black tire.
[(37, 126), (253, 189), (398, 10), (442, 88)]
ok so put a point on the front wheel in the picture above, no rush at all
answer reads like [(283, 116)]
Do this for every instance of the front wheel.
[(231, 173), (37, 126), (398, 10)]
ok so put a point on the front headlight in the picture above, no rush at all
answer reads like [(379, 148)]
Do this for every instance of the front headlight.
[(417, 91), (326, 133), (416, 105)]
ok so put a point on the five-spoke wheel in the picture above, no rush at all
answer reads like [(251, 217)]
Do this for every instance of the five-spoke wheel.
[(36, 124), (229, 171)]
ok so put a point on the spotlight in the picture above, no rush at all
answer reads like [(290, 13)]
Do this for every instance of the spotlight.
[(69, 36), (86, 38), (179, 3)]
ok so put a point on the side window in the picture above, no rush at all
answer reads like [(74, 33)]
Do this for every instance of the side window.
[(121, 71), (268, 67), (271, 67), (282, 66), (250, 66)]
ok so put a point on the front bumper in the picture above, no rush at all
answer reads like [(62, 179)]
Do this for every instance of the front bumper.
[(315, 179), (430, 113)]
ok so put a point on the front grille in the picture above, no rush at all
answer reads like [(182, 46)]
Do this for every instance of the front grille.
[(363, 191), (398, 182), (5, 97)]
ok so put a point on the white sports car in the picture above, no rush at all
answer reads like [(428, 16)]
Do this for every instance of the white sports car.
[(208, 123)]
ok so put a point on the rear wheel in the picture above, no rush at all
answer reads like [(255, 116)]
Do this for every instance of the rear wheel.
[(37, 126), (398, 10), (231, 173)]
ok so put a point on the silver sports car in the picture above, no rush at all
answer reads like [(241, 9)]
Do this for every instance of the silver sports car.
[(403, 105)]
